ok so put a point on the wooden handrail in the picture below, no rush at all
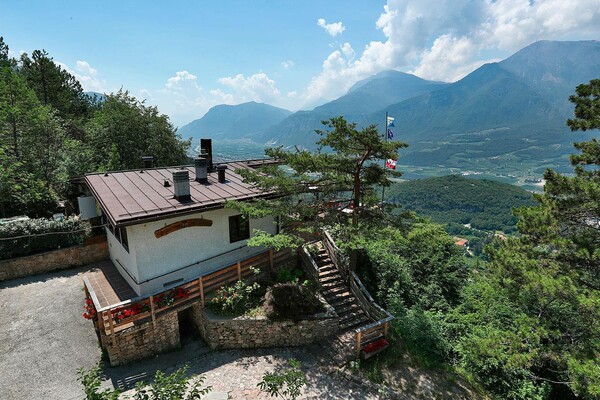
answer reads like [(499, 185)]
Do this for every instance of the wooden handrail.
[(381, 316)]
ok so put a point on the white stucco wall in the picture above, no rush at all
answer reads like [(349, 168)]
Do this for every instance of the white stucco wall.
[(123, 260), (184, 254)]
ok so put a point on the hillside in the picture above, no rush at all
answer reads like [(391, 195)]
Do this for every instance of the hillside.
[(504, 118), (234, 122), (454, 199), (364, 98)]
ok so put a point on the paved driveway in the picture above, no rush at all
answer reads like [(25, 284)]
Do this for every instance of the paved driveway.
[(44, 338)]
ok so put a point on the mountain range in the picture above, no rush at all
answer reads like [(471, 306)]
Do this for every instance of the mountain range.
[(502, 117)]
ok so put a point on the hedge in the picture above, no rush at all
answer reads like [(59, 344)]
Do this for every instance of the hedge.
[(38, 235)]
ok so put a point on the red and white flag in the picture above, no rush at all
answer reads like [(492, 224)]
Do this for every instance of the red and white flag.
[(391, 164)]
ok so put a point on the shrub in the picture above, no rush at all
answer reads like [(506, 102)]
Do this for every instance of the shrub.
[(286, 384), (285, 275), (290, 301), (236, 299), (38, 235)]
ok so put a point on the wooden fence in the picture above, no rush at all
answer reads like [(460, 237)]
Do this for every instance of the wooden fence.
[(382, 317), (117, 317)]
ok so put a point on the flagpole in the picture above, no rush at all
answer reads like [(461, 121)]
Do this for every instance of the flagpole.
[(385, 135)]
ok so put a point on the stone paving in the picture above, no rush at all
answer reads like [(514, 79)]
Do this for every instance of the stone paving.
[(44, 340)]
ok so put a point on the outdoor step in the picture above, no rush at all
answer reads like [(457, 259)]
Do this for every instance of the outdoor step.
[(341, 301), (332, 293), (347, 308), (323, 262), (328, 267), (328, 273), (331, 278), (333, 284), (354, 322), (354, 315)]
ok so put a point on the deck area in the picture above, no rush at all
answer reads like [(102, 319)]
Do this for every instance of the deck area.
[(107, 285)]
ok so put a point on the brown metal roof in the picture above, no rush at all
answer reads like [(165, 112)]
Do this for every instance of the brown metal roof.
[(130, 197)]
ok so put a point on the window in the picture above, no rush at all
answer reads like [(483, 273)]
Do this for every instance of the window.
[(239, 228)]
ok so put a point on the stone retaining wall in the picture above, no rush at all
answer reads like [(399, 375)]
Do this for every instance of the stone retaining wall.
[(143, 340), (53, 260), (244, 332)]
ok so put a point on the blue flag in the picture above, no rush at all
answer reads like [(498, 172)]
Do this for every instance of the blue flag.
[(391, 124), (390, 134)]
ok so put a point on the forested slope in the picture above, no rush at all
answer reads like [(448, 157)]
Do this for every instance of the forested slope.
[(454, 199)]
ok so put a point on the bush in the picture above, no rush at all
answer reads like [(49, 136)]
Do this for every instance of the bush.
[(285, 275), (236, 299), (290, 301), (38, 235)]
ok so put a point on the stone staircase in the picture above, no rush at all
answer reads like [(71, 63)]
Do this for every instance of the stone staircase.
[(337, 293)]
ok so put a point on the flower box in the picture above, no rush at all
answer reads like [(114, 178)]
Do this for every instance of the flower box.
[(374, 347)]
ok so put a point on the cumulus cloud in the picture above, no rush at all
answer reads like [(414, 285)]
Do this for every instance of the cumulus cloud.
[(287, 64), (86, 75), (180, 79), (257, 87), (334, 29), (447, 39)]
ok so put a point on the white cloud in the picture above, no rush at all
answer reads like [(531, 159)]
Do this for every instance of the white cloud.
[(87, 76), (257, 87), (447, 39), (287, 64), (180, 79), (334, 29)]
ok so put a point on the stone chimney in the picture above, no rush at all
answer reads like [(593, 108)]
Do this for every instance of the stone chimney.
[(201, 165), (181, 185)]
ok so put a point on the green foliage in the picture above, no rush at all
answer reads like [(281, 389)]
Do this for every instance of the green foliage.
[(290, 301), (236, 299), (316, 186), (172, 387), (528, 325), (125, 129), (36, 235), (284, 275), (287, 384), (456, 200), (91, 383), (50, 131)]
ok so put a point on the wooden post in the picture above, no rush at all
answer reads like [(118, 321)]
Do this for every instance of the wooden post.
[(271, 260), (239, 266), (152, 311), (112, 328), (385, 329), (201, 284), (358, 339)]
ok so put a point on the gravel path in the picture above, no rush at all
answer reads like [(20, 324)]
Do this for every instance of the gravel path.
[(43, 337)]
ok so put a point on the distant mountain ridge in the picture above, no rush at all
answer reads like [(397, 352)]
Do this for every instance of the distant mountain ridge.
[(500, 117), (234, 122)]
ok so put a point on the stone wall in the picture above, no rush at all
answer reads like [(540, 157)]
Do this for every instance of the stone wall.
[(53, 260), (244, 332), (143, 340)]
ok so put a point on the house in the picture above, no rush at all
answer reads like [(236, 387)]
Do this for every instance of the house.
[(461, 242), (171, 241), (166, 226)]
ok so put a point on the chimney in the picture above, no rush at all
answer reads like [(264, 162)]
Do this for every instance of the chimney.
[(221, 172), (148, 161), (181, 185), (201, 165), (206, 149)]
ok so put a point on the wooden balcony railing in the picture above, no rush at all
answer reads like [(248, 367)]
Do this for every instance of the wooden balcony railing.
[(117, 317)]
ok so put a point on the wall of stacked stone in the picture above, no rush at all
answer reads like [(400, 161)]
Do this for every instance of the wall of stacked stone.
[(143, 340), (245, 332), (53, 260)]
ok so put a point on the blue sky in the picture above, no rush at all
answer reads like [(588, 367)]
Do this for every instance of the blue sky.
[(187, 56)]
